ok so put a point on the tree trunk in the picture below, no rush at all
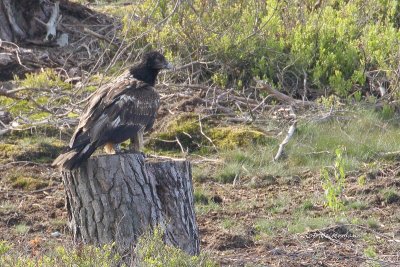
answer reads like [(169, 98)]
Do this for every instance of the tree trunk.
[(115, 198)]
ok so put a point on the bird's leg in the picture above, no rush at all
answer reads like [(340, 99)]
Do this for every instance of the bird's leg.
[(109, 148), (136, 144), (112, 148)]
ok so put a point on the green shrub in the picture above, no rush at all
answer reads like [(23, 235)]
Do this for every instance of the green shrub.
[(45, 79), (151, 251), (85, 256), (334, 184), (4, 247), (335, 44), (391, 196)]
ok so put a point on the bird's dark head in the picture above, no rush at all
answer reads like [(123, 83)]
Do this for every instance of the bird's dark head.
[(155, 60), (149, 66)]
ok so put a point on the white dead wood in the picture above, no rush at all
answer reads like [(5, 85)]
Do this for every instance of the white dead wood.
[(285, 141), (382, 90), (62, 40), (180, 145), (11, 17), (51, 25)]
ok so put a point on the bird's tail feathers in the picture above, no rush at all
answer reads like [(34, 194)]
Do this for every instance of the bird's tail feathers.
[(74, 157)]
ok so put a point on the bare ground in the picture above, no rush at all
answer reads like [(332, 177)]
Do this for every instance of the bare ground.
[(230, 226)]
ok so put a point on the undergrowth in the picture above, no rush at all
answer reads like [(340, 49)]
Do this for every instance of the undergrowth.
[(332, 46), (150, 251), (365, 134)]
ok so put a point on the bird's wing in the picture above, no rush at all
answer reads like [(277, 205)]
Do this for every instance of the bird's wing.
[(126, 102)]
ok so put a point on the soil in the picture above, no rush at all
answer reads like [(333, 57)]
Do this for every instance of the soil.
[(243, 244)]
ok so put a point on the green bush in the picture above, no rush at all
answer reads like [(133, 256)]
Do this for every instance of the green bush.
[(152, 252), (85, 256), (335, 44)]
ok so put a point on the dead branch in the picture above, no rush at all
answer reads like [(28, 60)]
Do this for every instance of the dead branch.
[(192, 64), (286, 140), (51, 25), (264, 86), (99, 36), (208, 138), (180, 145)]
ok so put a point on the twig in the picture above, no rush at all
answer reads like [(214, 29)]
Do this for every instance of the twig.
[(191, 64), (285, 141), (373, 231), (180, 145), (99, 36), (204, 159), (164, 157), (304, 85), (44, 189), (208, 138), (236, 179), (282, 97)]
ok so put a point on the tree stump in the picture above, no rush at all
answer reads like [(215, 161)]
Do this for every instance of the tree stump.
[(115, 198)]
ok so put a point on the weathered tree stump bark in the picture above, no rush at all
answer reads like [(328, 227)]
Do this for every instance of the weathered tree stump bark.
[(115, 198)]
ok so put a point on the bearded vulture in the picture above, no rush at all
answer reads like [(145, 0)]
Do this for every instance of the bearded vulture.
[(117, 111)]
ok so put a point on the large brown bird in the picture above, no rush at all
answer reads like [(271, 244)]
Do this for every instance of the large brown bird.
[(117, 111)]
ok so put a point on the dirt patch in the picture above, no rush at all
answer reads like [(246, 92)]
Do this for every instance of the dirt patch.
[(224, 241), (251, 226)]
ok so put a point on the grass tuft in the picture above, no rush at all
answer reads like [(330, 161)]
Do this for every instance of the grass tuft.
[(391, 196), (22, 229), (151, 251)]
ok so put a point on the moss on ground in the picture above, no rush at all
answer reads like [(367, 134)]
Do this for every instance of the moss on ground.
[(42, 150), (39, 130), (26, 180), (186, 128), (236, 136), (47, 78)]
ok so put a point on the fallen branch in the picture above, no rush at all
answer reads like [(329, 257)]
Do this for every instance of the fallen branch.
[(285, 141), (99, 36), (180, 145), (282, 97), (51, 25)]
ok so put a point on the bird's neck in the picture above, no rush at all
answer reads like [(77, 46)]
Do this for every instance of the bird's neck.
[(145, 74)]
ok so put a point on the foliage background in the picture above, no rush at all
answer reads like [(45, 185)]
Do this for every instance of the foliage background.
[(334, 46)]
